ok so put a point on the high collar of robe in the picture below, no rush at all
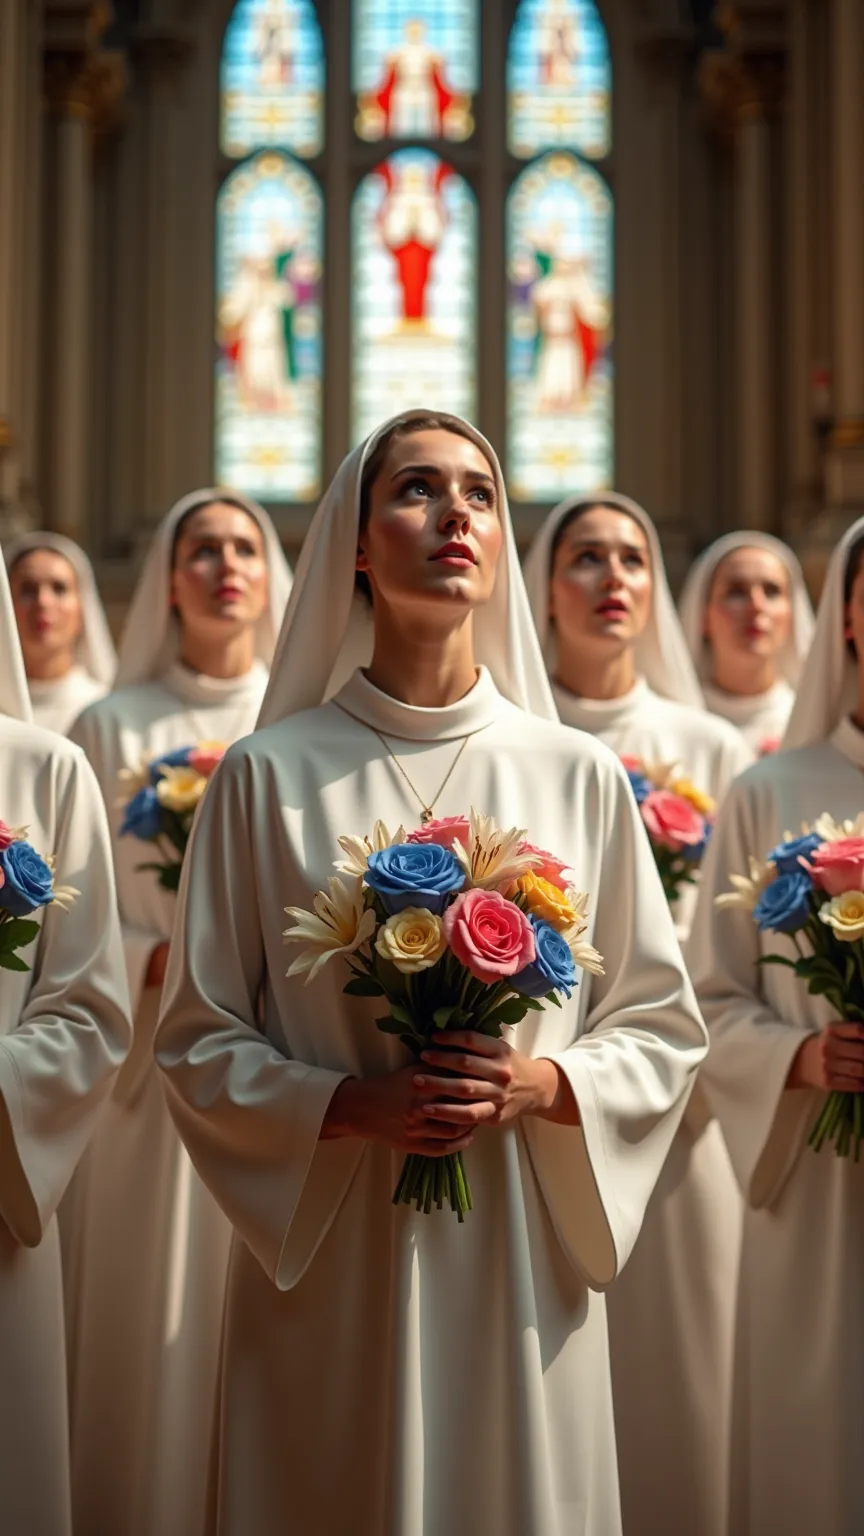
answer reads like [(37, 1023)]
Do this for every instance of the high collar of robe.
[(594, 715), (480, 707), (849, 740), (743, 708), (44, 689), (197, 688)]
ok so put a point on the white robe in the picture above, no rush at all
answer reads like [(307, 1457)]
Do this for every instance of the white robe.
[(146, 1247), (671, 1315), (762, 720), (64, 1030), (796, 1456), (384, 1371), (57, 703)]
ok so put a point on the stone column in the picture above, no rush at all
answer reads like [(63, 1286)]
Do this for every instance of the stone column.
[(799, 356), (11, 27), (845, 463), (490, 111), (753, 320)]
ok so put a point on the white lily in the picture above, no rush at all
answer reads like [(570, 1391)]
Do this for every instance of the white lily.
[(493, 860), (338, 925), (747, 888), (584, 954), (831, 831), (358, 849), (64, 896), (131, 780)]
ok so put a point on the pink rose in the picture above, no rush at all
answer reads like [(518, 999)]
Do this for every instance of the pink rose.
[(632, 764), (7, 836), (838, 867), (769, 745), (205, 760), (447, 830), (548, 866), (672, 822), (489, 935)]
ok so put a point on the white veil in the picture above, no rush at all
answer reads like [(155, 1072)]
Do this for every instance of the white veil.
[(14, 694), (694, 596), (150, 638), (96, 653), (662, 657), (327, 631), (828, 689)]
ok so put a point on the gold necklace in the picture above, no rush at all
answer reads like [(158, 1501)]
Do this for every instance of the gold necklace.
[(426, 811)]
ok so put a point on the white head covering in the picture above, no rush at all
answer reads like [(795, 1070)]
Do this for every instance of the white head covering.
[(694, 598), (328, 631), (662, 657), (151, 635), (14, 695), (96, 653), (828, 689)]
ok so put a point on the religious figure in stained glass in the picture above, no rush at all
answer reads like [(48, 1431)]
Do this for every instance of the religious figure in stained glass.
[(559, 79), (272, 82), (268, 386), (414, 261), (415, 68), (559, 330)]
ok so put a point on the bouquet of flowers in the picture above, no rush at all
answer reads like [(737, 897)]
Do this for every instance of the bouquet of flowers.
[(811, 888), (159, 800), (26, 884), (457, 926), (677, 816)]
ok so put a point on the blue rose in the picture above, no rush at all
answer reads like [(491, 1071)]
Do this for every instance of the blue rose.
[(28, 882), (786, 855), (176, 759), (693, 852), (640, 786), (784, 905), (414, 875), (553, 966), (142, 816)]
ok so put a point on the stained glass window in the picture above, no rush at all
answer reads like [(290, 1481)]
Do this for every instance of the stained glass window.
[(558, 79), (269, 232), (559, 329), (415, 68), (272, 85), (414, 232)]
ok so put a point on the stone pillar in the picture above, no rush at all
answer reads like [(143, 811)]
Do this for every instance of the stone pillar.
[(753, 321), (11, 28), (844, 476), (491, 130), (799, 352)]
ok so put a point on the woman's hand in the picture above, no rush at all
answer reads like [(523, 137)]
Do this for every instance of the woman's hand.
[(155, 976), (395, 1109), (493, 1072), (833, 1059)]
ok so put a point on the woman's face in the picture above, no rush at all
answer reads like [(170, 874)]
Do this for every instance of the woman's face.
[(602, 586), (749, 608), (219, 577), (433, 535), (47, 607), (854, 629)]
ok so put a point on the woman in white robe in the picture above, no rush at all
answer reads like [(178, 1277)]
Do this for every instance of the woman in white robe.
[(384, 1370), (146, 1246), (621, 670), (69, 654), (796, 1463), (64, 1031), (748, 619)]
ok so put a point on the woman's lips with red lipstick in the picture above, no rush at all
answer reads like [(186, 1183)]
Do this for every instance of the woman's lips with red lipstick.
[(455, 554), (228, 591), (612, 608)]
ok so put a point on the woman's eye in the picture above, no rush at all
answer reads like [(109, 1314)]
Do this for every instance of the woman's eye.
[(484, 495), (415, 486), (587, 557), (634, 560), (772, 591)]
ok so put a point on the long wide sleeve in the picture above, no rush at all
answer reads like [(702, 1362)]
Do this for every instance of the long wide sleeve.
[(57, 1063), (633, 1065), (754, 1017)]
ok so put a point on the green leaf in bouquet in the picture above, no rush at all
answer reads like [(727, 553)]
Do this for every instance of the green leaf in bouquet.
[(390, 1026), (402, 1014), (532, 1003), (443, 1017), (363, 986), (778, 960), (169, 876), (17, 932), (552, 997), (13, 963), (510, 1012)]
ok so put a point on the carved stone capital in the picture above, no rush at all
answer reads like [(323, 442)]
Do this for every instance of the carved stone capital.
[(7, 436), (738, 88), (89, 85)]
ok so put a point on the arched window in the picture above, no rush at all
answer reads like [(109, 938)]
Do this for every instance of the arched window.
[(268, 375), (272, 78), (415, 68), (414, 238), (558, 79)]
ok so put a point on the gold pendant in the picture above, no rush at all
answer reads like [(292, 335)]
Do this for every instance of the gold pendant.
[(426, 816)]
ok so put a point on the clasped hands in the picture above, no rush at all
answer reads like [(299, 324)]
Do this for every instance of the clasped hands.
[(833, 1060)]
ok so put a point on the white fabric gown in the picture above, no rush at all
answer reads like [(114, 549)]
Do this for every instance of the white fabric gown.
[(796, 1463), (762, 719), (64, 1030), (145, 1245), (385, 1371), (57, 703), (671, 1315)]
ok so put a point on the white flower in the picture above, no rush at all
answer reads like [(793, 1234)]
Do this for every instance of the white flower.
[(831, 831), (584, 954), (748, 888), (413, 940), (64, 896), (358, 849), (131, 780), (338, 925), (493, 860)]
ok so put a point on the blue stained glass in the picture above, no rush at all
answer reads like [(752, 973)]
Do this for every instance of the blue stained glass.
[(272, 78), (414, 274), (559, 331), (415, 68), (559, 81), (269, 241)]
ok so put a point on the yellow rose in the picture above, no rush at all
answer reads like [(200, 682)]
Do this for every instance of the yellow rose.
[(413, 940), (543, 899), (180, 789), (688, 791), (845, 916)]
